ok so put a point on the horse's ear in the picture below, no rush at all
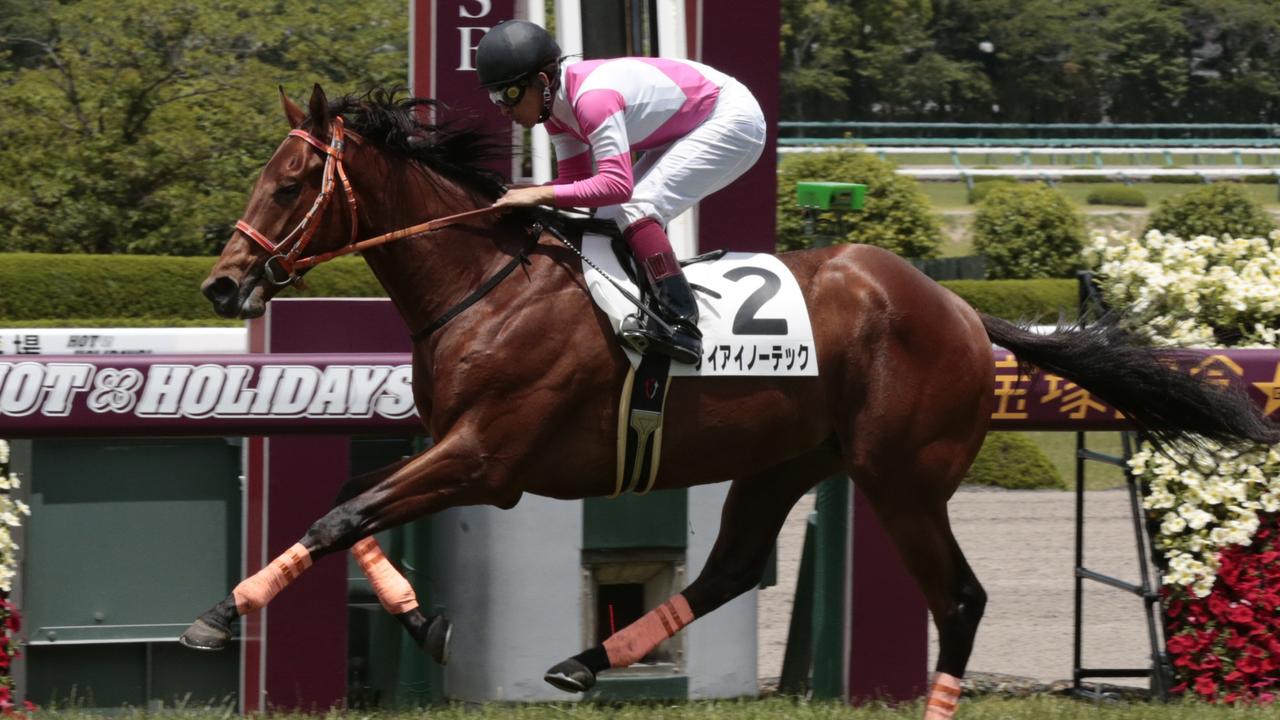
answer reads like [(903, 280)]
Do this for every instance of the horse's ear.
[(292, 112), (319, 107)]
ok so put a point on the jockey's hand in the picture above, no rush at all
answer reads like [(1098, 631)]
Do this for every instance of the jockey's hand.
[(527, 196)]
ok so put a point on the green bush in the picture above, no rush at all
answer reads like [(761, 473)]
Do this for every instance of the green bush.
[(1028, 231), (1011, 460), (896, 216), (1217, 210), (981, 189), (140, 288), (142, 291), (1176, 179), (1117, 194), (1030, 300)]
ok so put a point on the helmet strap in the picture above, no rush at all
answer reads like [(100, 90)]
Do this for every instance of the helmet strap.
[(547, 100)]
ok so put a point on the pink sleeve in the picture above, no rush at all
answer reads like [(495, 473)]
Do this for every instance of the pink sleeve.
[(572, 169), (610, 185), (599, 114)]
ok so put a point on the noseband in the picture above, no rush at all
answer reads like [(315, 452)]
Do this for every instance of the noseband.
[(284, 263)]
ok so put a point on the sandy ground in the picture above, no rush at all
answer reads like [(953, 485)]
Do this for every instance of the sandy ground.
[(1020, 544)]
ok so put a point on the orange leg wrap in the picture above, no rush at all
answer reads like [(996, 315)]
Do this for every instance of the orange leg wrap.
[(944, 696), (394, 592), (254, 592), (636, 640)]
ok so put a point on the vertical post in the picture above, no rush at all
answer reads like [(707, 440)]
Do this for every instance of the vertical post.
[(743, 216), (888, 637), (832, 541), (294, 652)]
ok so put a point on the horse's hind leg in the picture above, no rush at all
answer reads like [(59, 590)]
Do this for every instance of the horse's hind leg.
[(913, 511), (753, 514)]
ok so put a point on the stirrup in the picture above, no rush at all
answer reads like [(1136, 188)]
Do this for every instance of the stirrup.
[(682, 346)]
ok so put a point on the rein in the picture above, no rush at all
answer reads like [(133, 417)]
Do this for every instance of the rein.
[(283, 265)]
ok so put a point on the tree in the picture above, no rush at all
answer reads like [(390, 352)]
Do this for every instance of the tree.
[(137, 126), (815, 51), (1234, 60)]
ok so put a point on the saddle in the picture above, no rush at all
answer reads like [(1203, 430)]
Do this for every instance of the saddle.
[(752, 316), (644, 392)]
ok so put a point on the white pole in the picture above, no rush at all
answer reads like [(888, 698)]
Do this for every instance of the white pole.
[(535, 11), (569, 27), (671, 30), (683, 230)]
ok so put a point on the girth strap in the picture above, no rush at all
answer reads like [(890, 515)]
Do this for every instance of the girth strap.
[(488, 285)]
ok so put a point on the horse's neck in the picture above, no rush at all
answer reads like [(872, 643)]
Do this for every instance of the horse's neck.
[(424, 276)]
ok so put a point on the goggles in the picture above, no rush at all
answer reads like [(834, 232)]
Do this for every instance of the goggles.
[(510, 95)]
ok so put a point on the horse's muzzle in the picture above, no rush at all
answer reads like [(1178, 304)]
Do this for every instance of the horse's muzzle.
[(224, 293)]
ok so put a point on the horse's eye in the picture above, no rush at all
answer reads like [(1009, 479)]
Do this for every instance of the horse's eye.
[(288, 190)]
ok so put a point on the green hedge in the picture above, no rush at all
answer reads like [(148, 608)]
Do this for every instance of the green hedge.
[(137, 290), (144, 291), (1011, 460), (1117, 194), (1032, 300), (982, 188)]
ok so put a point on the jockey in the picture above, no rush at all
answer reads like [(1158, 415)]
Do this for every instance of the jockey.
[(697, 129)]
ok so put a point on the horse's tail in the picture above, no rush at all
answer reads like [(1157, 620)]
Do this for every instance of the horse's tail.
[(1164, 403)]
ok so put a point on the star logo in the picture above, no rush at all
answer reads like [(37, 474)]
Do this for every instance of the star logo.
[(1272, 391)]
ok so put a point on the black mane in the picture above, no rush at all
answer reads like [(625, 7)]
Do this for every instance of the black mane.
[(457, 151)]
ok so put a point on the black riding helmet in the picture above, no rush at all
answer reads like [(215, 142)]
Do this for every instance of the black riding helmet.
[(512, 51)]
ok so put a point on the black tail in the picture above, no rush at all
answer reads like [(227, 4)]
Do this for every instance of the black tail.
[(1164, 403)]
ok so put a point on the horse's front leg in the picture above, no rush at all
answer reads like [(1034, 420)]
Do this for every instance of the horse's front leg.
[(451, 473), (395, 593)]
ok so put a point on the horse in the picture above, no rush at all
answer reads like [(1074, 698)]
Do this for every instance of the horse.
[(516, 376)]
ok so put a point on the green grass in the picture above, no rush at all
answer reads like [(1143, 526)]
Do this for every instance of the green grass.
[(955, 195), (985, 708), (1061, 449), (1082, 160)]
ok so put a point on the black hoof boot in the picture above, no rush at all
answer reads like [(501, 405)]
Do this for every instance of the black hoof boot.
[(431, 633), (571, 676), (206, 635), (212, 630)]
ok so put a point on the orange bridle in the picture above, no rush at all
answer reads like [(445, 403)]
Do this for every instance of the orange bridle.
[(286, 254)]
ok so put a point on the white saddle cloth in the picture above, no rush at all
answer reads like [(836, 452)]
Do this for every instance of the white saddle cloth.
[(758, 326)]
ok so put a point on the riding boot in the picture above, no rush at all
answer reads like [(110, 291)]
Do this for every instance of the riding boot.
[(669, 297), (672, 300)]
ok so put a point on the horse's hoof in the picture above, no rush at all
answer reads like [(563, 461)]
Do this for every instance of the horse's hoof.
[(436, 642), (204, 635), (571, 676)]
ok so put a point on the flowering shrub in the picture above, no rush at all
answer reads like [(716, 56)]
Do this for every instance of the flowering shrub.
[(1226, 645), (1204, 292), (1217, 507), (1206, 504), (11, 512)]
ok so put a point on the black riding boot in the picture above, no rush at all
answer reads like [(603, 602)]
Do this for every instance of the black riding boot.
[(671, 299)]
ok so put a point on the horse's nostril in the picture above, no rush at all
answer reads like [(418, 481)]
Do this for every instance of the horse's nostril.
[(221, 290)]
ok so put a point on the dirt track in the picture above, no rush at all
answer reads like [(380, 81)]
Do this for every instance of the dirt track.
[(1020, 544)]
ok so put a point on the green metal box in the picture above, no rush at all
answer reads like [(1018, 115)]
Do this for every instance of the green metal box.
[(830, 195)]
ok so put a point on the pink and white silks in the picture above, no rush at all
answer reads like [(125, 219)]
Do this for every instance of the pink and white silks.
[(697, 129)]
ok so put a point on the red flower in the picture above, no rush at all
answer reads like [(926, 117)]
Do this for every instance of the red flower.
[(1206, 686)]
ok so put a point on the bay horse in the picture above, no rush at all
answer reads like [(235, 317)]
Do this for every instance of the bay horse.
[(520, 388)]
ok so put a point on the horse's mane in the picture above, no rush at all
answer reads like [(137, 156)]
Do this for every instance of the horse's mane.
[(450, 148)]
